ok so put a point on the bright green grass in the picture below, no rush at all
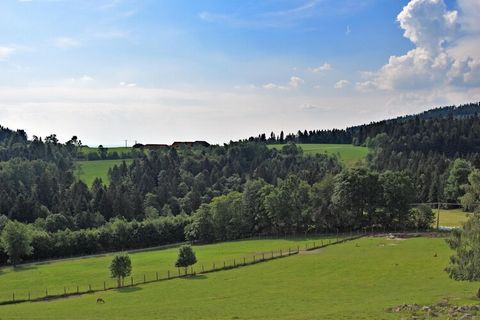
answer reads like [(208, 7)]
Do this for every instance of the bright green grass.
[(344, 281), (56, 275), (452, 218), (119, 150), (348, 153), (87, 171)]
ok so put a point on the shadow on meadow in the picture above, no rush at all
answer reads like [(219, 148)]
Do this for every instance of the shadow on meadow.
[(128, 289), (197, 277)]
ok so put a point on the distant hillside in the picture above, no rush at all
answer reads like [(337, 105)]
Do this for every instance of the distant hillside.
[(358, 134)]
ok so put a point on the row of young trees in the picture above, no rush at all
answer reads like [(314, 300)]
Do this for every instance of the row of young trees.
[(26, 241)]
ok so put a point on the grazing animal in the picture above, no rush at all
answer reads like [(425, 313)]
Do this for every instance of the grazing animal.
[(100, 300)]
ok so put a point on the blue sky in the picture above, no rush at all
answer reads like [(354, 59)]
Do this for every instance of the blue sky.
[(159, 71)]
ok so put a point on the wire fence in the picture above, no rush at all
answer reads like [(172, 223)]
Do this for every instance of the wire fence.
[(24, 295)]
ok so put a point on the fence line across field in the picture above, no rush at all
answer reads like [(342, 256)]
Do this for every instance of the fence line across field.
[(111, 284)]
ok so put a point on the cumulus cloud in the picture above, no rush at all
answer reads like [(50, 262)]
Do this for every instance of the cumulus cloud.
[(6, 52), (296, 82), (322, 68), (341, 84), (431, 27)]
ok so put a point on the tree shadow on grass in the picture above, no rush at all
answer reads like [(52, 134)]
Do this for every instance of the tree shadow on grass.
[(197, 277), (24, 268), (128, 289)]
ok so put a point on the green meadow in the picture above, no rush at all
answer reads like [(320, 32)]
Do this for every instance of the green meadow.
[(354, 280), (87, 171), (57, 276), (349, 154), (452, 217)]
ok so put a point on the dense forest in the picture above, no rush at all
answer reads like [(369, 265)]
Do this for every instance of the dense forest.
[(240, 189)]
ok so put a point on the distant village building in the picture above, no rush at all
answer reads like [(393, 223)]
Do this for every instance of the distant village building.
[(176, 144)]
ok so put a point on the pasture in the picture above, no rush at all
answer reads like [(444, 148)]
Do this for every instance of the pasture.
[(451, 217), (57, 276), (87, 171), (347, 153), (353, 280)]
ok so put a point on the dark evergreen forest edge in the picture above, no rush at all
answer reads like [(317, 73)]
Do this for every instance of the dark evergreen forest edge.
[(237, 190)]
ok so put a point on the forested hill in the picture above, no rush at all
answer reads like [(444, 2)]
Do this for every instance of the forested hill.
[(212, 193), (458, 119)]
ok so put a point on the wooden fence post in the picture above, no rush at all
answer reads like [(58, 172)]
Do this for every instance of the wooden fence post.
[(263, 256), (13, 296), (244, 262), (46, 292), (104, 286), (90, 287), (223, 264), (281, 253), (64, 291), (78, 289), (234, 263), (28, 295)]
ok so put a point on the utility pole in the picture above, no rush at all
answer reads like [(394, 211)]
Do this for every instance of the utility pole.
[(126, 143)]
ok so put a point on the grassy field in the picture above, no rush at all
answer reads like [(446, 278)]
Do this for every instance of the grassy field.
[(87, 171), (349, 154), (354, 280), (452, 218), (56, 275)]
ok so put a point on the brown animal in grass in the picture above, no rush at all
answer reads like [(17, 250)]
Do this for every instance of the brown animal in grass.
[(100, 300)]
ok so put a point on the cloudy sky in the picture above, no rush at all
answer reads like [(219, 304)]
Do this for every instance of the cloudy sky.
[(159, 71)]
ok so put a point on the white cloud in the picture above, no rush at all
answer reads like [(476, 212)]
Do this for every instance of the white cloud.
[(322, 68), (433, 29), (86, 78), (6, 52), (341, 84), (428, 23), (296, 82), (66, 42), (271, 86), (128, 85)]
